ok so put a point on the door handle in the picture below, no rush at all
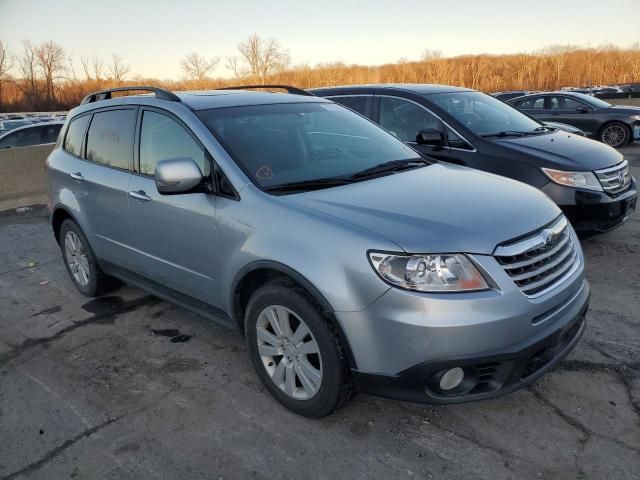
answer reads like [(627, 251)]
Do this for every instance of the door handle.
[(77, 176), (139, 195)]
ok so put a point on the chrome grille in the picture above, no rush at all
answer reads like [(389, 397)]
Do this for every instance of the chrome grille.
[(540, 262), (616, 179)]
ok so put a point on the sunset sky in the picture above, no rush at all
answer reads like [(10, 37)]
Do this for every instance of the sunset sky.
[(153, 36)]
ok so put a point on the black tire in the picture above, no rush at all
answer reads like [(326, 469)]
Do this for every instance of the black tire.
[(620, 127), (336, 387), (99, 282)]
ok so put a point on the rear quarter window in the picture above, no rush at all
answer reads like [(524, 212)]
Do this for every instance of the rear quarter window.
[(110, 138), (75, 134)]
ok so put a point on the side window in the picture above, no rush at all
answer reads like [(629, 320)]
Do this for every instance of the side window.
[(51, 133), (110, 138), (359, 103), (23, 138), (161, 138), (405, 119), (456, 141), (531, 103), (75, 134), (561, 102)]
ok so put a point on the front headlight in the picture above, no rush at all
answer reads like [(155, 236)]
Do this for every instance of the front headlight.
[(585, 180), (429, 273), (635, 117)]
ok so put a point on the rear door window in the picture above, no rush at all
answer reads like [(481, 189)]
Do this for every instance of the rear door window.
[(560, 102), (536, 103), (75, 135), (22, 138), (110, 138), (51, 133), (359, 103)]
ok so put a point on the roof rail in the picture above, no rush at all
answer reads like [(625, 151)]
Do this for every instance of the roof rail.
[(106, 94), (288, 88)]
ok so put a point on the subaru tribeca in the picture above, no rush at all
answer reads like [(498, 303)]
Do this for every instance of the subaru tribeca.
[(591, 182), (348, 261)]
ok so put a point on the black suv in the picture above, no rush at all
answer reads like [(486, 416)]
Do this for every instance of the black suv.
[(590, 181)]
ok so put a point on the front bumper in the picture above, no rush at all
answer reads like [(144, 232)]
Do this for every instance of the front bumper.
[(404, 340), (590, 211)]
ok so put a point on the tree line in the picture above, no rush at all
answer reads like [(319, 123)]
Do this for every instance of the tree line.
[(45, 76)]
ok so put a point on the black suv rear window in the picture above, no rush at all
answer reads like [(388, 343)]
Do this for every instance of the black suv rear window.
[(75, 134), (110, 138)]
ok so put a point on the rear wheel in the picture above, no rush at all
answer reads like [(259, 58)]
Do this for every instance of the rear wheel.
[(615, 134), (81, 262), (295, 351)]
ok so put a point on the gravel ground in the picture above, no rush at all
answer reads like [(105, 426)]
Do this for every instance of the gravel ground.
[(97, 389)]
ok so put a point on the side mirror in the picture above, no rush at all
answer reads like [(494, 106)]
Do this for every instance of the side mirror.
[(177, 175), (582, 109), (431, 136)]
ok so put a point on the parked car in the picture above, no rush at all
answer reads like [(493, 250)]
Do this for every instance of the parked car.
[(32, 134), (345, 258), (590, 181), (615, 125)]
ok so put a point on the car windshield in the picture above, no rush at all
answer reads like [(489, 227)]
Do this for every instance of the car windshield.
[(485, 115), (280, 144), (593, 101)]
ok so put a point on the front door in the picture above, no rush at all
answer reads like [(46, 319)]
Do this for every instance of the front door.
[(404, 119), (174, 236)]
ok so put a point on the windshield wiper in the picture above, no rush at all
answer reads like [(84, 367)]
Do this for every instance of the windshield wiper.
[(392, 166), (506, 133), (306, 185)]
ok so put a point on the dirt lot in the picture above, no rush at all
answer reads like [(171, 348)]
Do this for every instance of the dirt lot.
[(96, 389)]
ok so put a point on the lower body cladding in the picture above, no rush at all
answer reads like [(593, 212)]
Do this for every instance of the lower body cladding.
[(453, 348), (591, 211)]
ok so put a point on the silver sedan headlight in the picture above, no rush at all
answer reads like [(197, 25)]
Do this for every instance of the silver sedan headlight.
[(586, 180), (429, 273)]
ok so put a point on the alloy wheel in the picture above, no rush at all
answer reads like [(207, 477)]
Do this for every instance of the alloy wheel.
[(289, 352), (76, 257), (614, 135)]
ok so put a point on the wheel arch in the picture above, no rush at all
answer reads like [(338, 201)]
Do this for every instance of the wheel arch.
[(59, 214), (255, 274)]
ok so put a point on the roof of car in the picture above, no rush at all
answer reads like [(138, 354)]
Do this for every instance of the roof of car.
[(203, 99), (420, 88)]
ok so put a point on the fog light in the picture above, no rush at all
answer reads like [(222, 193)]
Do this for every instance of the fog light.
[(451, 378)]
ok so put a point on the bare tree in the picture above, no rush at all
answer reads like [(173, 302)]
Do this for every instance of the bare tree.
[(6, 62), (198, 67), (51, 60), (428, 54), (92, 67), (259, 58), (117, 68), (28, 68)]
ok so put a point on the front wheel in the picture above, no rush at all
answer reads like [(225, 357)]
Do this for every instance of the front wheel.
[(296, 352), (615, 134)]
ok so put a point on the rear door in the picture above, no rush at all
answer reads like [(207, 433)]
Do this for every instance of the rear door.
[(175, 236), (104, 178), (567, 109), (534, 106)]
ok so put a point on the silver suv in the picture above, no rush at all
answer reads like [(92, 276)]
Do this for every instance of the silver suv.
[(347, 260)]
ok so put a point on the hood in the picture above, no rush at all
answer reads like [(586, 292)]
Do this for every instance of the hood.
[(624, 109), (441, 208), (564, 151)]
